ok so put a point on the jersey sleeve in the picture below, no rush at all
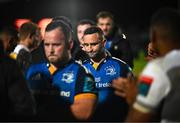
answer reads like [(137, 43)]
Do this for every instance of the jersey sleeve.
[(125, 69), (38, 77), (153, 86)]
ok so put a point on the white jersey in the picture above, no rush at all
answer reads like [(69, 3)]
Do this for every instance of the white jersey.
[(156, 82), (16, 51), (19, 47)]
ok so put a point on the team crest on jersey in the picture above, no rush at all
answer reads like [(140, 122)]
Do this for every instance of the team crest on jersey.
[(68, 77), (144, 85), (110, 70)]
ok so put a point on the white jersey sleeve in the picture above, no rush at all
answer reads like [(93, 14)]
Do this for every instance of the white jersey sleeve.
[(153, 87)]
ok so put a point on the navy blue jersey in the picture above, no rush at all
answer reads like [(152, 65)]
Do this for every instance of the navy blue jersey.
[(55, 89), (73, 80), (109, 69), (69, 80), (38, 76), (48, 101)]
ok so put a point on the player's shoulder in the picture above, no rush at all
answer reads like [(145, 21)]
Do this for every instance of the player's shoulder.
[(117, 60), (80, 66), (37, 68), (154, 64), (120, 62)]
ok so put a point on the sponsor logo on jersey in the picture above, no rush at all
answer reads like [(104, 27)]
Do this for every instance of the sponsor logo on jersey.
[(65, 93), (110, 70), (144, 85), (103, 85), (68, 77)]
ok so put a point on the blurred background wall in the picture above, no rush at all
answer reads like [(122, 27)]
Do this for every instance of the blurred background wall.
[(132, 15)]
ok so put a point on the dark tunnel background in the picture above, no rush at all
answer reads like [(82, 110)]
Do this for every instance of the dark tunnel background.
[(133, 16)]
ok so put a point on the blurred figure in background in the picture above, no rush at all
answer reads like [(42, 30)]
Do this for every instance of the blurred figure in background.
[(158, 86), (9, 37), (17, 104), (82, 25), (116, 43), (29, 38)]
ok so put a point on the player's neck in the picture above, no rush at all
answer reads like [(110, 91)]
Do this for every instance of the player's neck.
[(100, 58), (169, 47)]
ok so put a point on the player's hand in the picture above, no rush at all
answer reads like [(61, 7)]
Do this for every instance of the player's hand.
[(126, 87)]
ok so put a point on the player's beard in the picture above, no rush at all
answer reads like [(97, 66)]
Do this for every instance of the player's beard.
[(59, 61), (96, 54), (53, 59)]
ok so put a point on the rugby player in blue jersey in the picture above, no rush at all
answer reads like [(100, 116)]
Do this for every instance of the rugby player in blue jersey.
[(104, 69), (61, 80)]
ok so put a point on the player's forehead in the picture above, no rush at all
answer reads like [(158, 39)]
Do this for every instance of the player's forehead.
[(105, 20)]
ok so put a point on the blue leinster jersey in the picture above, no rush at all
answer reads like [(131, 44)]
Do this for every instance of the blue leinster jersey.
[(109, 69), (72, 80), (65, 82), (39, 77)]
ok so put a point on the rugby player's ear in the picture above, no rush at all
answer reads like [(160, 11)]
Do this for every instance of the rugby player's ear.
[(71, 43), (104, 42)]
